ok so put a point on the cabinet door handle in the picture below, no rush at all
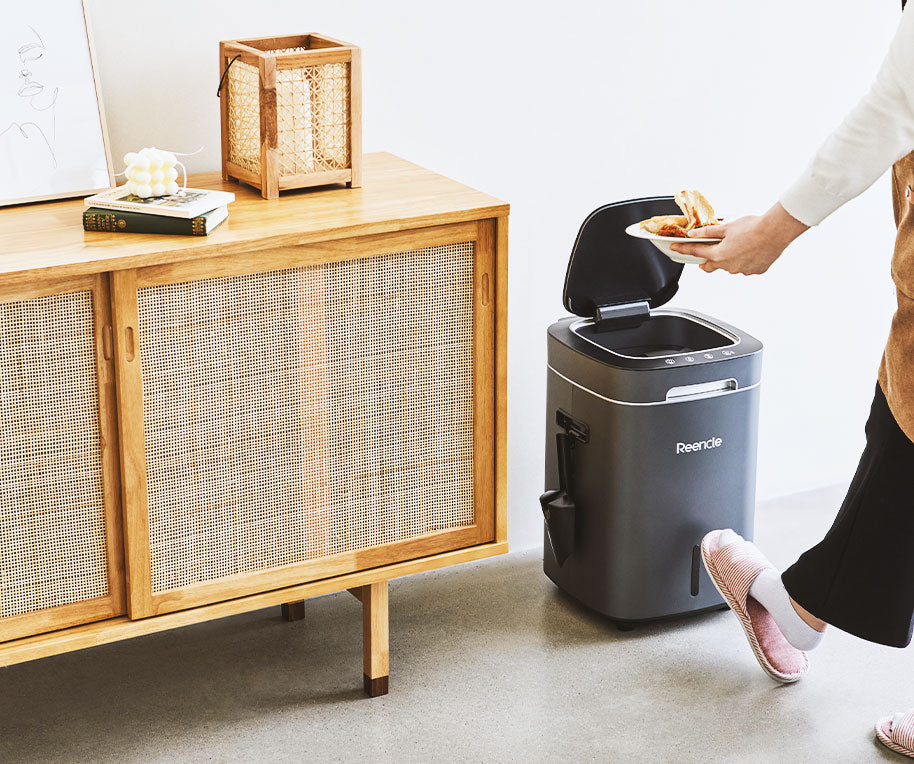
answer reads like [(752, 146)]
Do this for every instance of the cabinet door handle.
[(129, 343), (485, 289), (107, 343)]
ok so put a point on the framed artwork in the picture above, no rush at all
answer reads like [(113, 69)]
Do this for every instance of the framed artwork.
[(53, 140)]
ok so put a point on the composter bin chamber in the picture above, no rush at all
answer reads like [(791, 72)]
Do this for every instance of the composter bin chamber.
[(655, 430)]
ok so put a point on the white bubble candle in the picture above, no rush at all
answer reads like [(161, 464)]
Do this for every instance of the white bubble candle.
[(151, 172)]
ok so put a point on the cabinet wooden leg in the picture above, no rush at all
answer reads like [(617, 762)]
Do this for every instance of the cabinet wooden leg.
[(375, 639), (293, 611)]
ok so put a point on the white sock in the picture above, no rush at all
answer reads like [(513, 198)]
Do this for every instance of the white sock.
[(769, 591)]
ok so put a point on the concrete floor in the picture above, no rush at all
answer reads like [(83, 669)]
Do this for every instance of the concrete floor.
[(489, 663)]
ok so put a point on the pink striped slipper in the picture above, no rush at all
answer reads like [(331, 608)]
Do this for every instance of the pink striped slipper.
[(733, 569), (897, 732)]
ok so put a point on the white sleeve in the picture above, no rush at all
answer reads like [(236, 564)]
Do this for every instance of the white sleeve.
[(873, 136)]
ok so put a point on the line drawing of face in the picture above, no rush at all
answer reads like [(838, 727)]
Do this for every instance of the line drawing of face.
[(31, 59), (29, 130)]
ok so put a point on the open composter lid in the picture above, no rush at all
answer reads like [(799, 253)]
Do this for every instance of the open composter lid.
[(609, 268)]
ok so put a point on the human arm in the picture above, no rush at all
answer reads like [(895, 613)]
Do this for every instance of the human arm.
[(874, 135), (749, 244)]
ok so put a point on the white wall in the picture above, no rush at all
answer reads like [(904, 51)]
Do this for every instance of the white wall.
[(560, 108)]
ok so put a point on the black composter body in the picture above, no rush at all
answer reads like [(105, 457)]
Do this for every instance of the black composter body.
[(651, 428)]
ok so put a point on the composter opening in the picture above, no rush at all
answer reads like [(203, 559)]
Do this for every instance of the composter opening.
[(660, 335)]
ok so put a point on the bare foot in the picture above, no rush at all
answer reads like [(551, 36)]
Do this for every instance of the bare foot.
[(817, 623)]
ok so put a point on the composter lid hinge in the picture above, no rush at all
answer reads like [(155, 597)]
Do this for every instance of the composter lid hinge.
[(620, 316)]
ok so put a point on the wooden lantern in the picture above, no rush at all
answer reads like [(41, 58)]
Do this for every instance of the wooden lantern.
[(291, 112)]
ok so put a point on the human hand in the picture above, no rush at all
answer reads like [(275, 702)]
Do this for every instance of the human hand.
[(748, 245)]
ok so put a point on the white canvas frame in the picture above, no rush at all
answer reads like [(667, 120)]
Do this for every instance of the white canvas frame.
[(65, 192)]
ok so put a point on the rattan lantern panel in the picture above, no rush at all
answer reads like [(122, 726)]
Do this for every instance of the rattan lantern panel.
[(244, 116), (312, 117)]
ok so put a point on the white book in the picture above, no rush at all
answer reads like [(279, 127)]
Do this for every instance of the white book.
[(188, 203)]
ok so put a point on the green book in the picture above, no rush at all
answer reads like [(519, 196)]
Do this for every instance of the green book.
[(121, 221)]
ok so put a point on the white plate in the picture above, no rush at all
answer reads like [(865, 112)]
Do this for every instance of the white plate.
[(663, 243)]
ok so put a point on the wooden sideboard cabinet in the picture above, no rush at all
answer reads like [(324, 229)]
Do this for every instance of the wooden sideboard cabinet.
[(308, 400)]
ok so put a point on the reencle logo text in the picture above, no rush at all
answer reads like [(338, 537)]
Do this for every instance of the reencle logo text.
[(699, 445)]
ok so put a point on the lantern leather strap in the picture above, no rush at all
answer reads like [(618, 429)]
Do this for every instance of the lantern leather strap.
[(224, 73)]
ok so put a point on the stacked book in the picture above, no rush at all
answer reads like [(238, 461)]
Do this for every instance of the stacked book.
[(191, 212)]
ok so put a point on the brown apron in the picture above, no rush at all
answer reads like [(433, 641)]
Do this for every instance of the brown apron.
[(896, 372)]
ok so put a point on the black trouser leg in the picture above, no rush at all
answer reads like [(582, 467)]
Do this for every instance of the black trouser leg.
[(860, 577)]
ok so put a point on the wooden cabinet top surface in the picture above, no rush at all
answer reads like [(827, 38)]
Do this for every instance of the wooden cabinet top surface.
[(48, 239)]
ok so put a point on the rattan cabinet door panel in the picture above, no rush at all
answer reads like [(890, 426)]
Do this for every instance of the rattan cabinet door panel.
[(307, 421), (60, 550)]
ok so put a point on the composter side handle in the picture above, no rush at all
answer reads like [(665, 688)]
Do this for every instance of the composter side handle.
[(563, 454), (558, 505)]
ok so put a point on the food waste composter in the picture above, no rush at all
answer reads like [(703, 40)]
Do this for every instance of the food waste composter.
[(651, 428)]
